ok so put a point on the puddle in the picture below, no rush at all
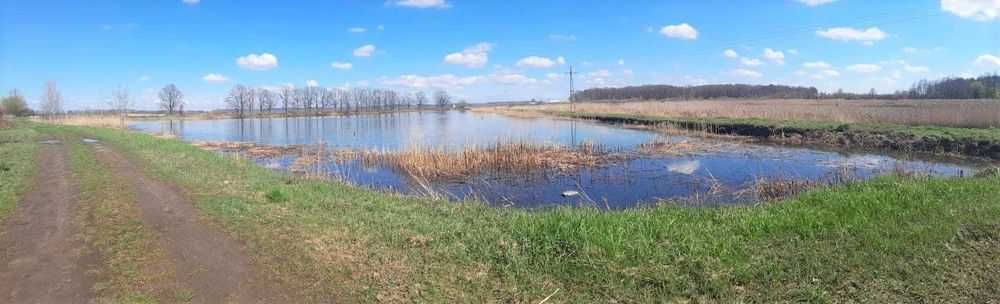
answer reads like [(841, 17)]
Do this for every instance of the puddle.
[(50, 142), (91, 141)]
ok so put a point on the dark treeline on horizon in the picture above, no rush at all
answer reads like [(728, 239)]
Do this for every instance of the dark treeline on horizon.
[(983, 87)]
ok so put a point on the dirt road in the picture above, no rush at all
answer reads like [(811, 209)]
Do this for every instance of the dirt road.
[(45, 259)]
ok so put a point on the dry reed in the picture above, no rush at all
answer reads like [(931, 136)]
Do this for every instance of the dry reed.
[(953, 113)]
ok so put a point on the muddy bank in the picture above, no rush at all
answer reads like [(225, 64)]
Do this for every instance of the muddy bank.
[(838, 135)]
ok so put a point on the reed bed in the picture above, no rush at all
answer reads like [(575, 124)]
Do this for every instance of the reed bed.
[(950, 113), (504, 157), (103, 121), (663, 146)]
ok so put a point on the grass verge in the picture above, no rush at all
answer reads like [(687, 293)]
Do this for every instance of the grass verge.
[(18, 150), (892, 239), (135, 269)]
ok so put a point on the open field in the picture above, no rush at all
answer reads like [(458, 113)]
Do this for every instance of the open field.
[(947, 113), (893, 239)]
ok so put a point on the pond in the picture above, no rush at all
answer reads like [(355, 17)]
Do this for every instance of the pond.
[(718, 172)]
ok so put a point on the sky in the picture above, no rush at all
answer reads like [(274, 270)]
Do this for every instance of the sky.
[(483, 51)]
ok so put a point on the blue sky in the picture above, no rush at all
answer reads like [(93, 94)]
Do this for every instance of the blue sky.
[(485, 50)]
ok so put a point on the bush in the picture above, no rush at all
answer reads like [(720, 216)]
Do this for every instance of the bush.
[(15, 106)]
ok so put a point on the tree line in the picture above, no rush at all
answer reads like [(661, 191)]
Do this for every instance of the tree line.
[(243, 100), (983, 87)]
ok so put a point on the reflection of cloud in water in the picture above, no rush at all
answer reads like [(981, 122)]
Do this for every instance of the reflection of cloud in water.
[(684, 167), (863, 161)]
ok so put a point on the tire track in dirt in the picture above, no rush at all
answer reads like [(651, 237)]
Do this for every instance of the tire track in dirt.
[(45, 259), (214, 266)]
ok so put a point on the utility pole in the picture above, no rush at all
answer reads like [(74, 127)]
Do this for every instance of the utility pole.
[(572, 90)]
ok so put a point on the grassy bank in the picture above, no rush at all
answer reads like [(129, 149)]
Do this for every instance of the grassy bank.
[(969, 142), (18, 150), (892, 239)]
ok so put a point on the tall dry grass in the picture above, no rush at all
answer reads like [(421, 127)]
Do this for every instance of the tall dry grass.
[(951, 113), (103, 121)]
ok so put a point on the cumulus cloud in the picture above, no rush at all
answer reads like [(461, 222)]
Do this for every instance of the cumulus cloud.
[(424, 3), (681, 31), (981, 10), (191, 2), (747, 73), (817, 65), (816, 2), (916, 69), (446, 81), (357, 30), (512, 78), (262, 62), (988, 60), (341, 65), (774, 56), (214, 78), (865, 68), (536, 62), (472, 57), (561, 60), (729, 53), (867, 36), (751, 62), (364, 51)]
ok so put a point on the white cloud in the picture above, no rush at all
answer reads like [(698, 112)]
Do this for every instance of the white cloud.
[(817, 65), (628, 72), (867, 36), (865, 68), (910, 50), (621, 61), (988, 60), (747, 73), (981, 10), (682, 31), (751, 61), (341, 65), (774, 56), (214, 78), (561, 60), (357, 30), (262, 62), (364, 51), (446, 81), (830, 73), (915, 68), (424, 3), (729, 53), (312, 83), (600, 74), (536, 62), (562, 37), (472, 57), (553, 76), (816, 2), (512, 78), (191, 2)]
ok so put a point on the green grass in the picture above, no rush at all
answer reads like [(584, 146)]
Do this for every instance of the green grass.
[(892, 239), (18, 150)]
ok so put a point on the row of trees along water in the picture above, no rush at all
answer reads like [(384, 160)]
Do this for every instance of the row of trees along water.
[(310, 99), (983, 87)]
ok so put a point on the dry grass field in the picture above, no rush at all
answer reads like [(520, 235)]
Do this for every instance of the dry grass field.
[(950, 113)]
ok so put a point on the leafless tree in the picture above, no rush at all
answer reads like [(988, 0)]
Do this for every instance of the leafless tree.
[(240, 100), (421, 99), (120, 102), (52, 100), (265, 100), (171, 98), (442, 99), (287, 97)]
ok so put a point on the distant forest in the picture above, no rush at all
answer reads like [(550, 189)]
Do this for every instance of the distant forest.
[(947, 88)]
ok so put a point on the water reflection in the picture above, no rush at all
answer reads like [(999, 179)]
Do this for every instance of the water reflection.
[(715, 177)]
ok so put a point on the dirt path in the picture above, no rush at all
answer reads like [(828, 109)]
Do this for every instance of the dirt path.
[(45, 259), (212, 265)]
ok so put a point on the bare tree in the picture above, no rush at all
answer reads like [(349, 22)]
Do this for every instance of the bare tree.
[(120, 101), (265, 100), (240, 100), (442, 99), (171, 99), (287, 97), (52, 100), (421, 99)]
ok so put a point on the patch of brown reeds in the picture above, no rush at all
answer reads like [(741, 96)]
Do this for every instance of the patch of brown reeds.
[(102, 121), (776, 189), (249, 149), (504, 157), (661, 146)]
